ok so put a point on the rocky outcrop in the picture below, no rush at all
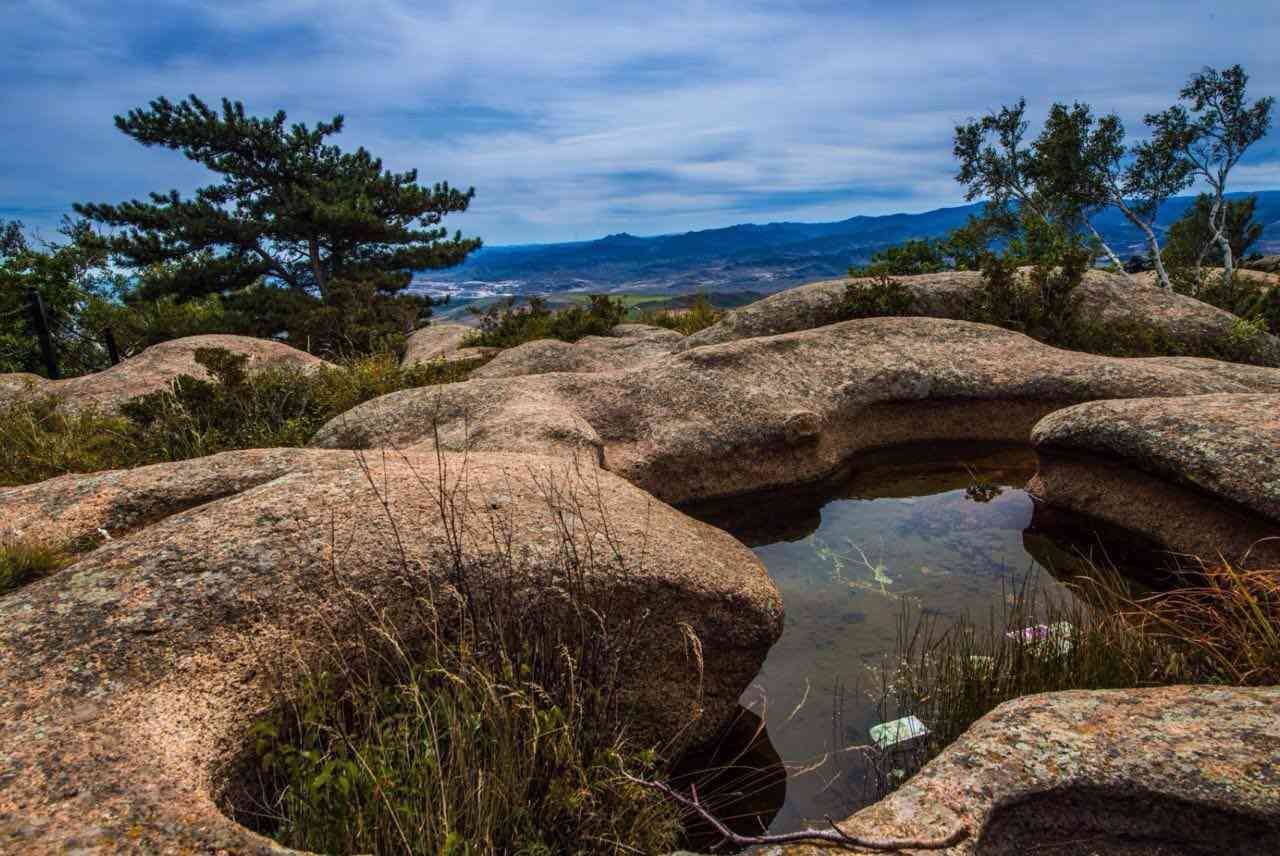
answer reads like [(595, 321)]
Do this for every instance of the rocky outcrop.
[(1113, 302), (1176, 770), (1266, 264), (766, 412), (84, 509), (628, 346), (442, 342), (1200, 474), (152, 370), (128, 680)]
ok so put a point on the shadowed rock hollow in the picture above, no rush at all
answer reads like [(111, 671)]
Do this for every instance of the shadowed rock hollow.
[(1201, 474)]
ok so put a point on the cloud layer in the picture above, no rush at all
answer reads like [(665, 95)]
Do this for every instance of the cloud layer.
[(575, 120)]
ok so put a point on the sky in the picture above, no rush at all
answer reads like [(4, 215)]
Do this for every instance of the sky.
[(577, 120)]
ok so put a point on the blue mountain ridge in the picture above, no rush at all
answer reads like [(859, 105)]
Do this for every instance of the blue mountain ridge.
[(766, 257)]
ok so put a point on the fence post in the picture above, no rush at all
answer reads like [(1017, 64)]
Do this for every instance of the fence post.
[(113, 351), (42, 333)]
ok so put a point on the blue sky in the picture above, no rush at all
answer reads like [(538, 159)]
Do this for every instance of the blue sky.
[(576, 120)]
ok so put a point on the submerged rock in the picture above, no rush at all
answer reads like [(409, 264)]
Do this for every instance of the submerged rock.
[(1200, 474), (129, 680), (152, 370)]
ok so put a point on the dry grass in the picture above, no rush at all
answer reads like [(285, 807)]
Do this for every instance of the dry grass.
[(26, 561), (480, 714)]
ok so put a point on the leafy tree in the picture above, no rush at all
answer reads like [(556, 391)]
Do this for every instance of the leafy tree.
[(1211, 137), (69, 276), (291, 212), (1192, 240), (913, 256), (1054, 178)]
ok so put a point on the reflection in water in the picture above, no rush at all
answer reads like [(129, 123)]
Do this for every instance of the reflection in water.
[(938, 530)]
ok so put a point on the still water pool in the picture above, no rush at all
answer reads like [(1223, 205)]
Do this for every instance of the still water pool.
[(944, 531)]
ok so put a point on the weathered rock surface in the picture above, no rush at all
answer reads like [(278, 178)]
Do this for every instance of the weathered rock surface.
[(153, 369), (128, 680), (1201, 473), (442, 342), (1266, 264), (1113, 301), (629, 346), (765, 412), (80, 508), (1175, 770)]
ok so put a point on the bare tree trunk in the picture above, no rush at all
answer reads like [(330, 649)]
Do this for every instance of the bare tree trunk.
[(1152, 240), (317, 269), (1114, 259)]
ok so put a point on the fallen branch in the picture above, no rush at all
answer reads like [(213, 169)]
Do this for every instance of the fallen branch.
[(835, 835)]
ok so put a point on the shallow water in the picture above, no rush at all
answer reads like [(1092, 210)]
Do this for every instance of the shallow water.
[(944, 530)]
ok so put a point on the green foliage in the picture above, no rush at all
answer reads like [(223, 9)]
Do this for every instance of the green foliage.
[(1192, 239), (485, 713), (69, 276), (334, 229), (906, 259), (39, 440), (504, 325), (1043, 302), (234, 409), (1205, 137), (1217, 624), (454, 755), (882, 296), (699, 316), (25, 561)]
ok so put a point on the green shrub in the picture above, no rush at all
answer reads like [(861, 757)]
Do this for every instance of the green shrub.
[(882, 296), (234, 409), (699, 316), (25, 561), (503, 325)]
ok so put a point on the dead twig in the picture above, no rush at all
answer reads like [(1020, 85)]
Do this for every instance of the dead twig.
[(833, 836)]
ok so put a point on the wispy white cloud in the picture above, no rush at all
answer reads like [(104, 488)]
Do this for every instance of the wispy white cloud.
[(577, 119)]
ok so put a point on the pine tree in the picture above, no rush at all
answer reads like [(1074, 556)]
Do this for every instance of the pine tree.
[(290, 210)]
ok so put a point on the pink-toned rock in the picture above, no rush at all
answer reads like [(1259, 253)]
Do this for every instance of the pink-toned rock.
[(153, 369), (1199, 474), (129, 680), (1113, 302), (444, 342), (1175, 771), (766, 412), (629, 346)]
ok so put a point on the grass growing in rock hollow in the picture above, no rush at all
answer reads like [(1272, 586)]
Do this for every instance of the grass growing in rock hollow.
[(1217, 624), (24, 561), (234, 409), (482, 717)]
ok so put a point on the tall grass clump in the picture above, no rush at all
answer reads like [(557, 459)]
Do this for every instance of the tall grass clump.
[(504, 325), (1216, 624), (232, 408), (481, 714), (25, 561)]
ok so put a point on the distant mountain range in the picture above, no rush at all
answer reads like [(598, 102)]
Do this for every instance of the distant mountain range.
[(752, 257)]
